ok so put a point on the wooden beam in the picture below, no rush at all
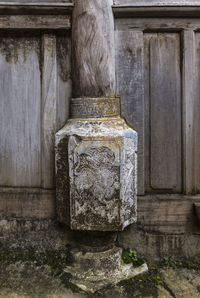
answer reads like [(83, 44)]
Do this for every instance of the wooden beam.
[(32, 8), (25, 203), (189, 141), (168, 213), (147, 3), (35, 22), (93, 63), (64, 3), (158, 24), (49, 108), (134, 11)]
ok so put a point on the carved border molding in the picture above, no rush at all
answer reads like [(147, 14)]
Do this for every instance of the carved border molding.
[(95, 107)]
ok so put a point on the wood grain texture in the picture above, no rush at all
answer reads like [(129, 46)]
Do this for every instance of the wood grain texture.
[(31, 7), (123, 11), (56, 94), (35, 22), (49, 105), (189, 107), (197, 108), (35, 2), (93, 49), (147, 182), (130, 86), (165, 213), (160, 24), (32, 203), (64, 82), (156, 2), (165, 112), (20, 111)]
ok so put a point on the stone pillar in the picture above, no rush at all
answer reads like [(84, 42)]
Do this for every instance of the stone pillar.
[(96, 152)]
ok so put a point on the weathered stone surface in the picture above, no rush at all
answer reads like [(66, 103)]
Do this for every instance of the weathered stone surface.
[(95, 107), (99, 188), (158, 245), (94, 271)]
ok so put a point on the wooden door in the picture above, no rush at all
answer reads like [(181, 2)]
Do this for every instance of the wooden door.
[(35, 89), (158, 79)]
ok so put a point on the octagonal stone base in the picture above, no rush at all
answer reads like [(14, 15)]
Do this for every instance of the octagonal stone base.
[(94, 271), (96, 170)]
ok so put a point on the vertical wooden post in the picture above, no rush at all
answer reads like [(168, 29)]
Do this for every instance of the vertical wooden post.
[(189, 173), (130, 77), (49, 98), (93, 63)]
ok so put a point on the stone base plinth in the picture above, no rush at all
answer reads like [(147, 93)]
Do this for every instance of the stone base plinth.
[(96, 168), (94, 271)]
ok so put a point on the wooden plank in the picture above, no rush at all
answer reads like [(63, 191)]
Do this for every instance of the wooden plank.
[(168, 213), (36, 7), (32, 203), (130, 86), (196, 87), (35, 2), (157, 24), (165, 112), (35, 22), (20, 100), (147, 38), (49, 105), (189, 175), (64, 82), (160, 213), (156, 2), (121, 11)]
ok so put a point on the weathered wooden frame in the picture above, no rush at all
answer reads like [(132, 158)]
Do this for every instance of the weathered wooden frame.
[(44, 19), (146, 8), (186, 27), (36, 7)]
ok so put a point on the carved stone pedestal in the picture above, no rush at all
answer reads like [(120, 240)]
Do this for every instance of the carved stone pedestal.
[(93, 271), (96, 165), (96, 161)]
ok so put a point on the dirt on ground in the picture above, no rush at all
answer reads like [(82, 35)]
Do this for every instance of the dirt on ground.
[(32, 264)]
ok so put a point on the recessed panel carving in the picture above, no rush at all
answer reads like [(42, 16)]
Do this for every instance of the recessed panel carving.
[(95, 183)]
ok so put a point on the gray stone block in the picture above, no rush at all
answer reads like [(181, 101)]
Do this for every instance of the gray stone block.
[(96, 164)]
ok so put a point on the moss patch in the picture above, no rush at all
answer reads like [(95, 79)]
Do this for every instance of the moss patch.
[(172, 263), (143, 285), (147, 285), (56, 260)]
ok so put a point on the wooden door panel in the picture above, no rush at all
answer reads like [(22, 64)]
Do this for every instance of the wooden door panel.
[(149, 83), (130, 81), (35, 89), (20, 111), (165, 112)]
